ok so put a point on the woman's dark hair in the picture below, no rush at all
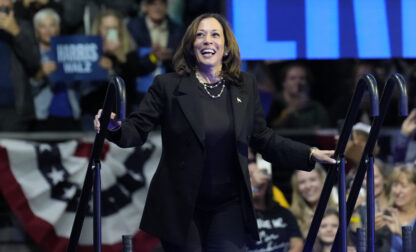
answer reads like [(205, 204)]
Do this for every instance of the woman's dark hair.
[(185, 61), (268, 196)]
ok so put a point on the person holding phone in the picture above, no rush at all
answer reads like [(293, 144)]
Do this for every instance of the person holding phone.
[(403, 210), (293, 107), (119, 57), (382, 198), (278, 229)]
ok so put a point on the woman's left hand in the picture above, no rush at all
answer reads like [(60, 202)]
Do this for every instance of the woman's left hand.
[(323, 156)]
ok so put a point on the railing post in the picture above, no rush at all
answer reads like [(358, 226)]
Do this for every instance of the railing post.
[(366, 82), (370, 204), (115, 101), (361, 240), (127, 243), (97, 206), (395, 80), (342, 206)]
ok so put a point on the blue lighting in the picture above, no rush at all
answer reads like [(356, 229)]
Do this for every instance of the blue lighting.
[(372, 29), (322, 29), (409, 27), (250, 28), (312, 29)]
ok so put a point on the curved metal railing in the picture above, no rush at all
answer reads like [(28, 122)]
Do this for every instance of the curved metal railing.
[(366, 162), (366, 82), (115, 101)]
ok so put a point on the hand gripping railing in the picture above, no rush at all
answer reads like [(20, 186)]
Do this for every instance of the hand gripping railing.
[(366, 82), (366, 162), (115, 101)]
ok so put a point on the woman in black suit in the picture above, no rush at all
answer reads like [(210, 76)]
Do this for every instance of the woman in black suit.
[(209, 114)]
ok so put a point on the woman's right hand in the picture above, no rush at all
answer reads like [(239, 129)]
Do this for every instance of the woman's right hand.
[(392, 221), (379, 221), (113, 123), (97, 121)]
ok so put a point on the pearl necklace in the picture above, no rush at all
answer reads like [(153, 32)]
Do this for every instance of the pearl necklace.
[(211, 86)]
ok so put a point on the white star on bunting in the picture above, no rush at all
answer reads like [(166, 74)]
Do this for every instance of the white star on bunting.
[(56, 176)]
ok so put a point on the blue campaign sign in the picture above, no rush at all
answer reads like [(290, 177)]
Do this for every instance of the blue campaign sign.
[(324, 29), (77, 58)]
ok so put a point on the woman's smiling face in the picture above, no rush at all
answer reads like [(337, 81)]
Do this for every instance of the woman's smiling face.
[(209, 44), (310, 186)]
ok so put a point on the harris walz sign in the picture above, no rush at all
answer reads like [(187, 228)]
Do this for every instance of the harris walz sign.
[(77, 58)]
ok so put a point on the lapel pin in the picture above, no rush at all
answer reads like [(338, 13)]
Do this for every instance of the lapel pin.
[(238, 100)]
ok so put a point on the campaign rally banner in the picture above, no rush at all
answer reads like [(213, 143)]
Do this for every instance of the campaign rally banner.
[(42, 183), (77, 58)]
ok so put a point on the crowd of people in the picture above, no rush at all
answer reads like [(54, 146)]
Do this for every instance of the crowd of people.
[(139, 40), (284, 227)]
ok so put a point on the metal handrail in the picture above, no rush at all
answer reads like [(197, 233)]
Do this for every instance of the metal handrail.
[(366, 82), (114, 101), (395, 80)]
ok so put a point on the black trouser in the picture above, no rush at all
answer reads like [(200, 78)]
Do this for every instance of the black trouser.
[(220, 230)]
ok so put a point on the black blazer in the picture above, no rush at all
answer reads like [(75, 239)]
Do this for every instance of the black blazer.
[(172, 101)]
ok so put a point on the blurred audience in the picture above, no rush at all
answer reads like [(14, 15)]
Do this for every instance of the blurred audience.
[(257, 167), (20, 59), (407, 67), (355, 147), (278, 229), (381, 203), (339, 108), (327, 231), (119, 57), (56, 104), (79, 15), (265, 83), (307, 188), (194, 8), (293, 106), (403, 210), (26, 9), (176, 10), (156, 36)]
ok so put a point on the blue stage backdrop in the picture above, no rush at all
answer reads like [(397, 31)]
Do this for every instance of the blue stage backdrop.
[(324, 29)]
